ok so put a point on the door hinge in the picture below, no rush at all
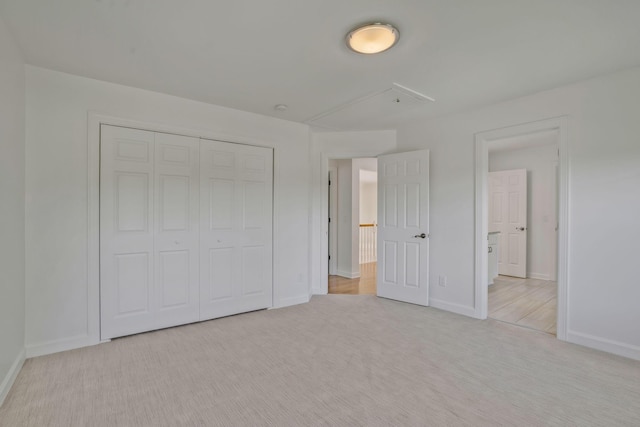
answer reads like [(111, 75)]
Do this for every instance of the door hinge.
[(329, 219), (329, 182)]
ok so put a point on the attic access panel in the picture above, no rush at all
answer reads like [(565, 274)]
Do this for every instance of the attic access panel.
[(370, 110)]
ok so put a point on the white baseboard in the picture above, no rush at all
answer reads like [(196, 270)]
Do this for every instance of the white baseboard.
[(317, 291), (610, 346), (454, 308), (348, 275), (11, 376), (538, 276), (56, 346), (286, 302)]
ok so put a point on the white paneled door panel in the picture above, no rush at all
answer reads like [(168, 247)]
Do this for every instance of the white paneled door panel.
[(126, 231), (403, 227), (235, 228), (176, 224), (148, 231), (508, 215)]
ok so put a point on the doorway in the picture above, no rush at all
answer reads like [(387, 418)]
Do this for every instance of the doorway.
[(522, 221), (556, 220), (352, 225)]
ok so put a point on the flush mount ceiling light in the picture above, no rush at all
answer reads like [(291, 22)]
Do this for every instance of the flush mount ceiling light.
[(372, 38)]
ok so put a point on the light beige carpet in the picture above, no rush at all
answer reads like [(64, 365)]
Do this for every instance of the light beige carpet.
[(339, 360)]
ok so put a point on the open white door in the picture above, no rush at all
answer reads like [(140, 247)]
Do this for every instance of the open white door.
[(508, 215), (403, 227)]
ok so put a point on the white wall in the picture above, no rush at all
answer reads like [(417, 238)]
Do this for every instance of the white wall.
[(540, 163), (368, 190), (59, 313), (604, 205), (368, 200), (348, 265), (12, 170), (369, 164)]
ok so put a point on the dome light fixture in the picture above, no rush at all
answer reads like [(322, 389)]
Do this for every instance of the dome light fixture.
[(372, 38)]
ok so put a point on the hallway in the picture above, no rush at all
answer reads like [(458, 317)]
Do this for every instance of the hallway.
[(364, 285)]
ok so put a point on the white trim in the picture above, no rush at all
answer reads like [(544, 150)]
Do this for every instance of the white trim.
[(481, 213), (603, 344), (93, 231), (94, 121), (11, 376), (333, 231), (275, 253), (287, 302), (64, 344), (481, 228), (538, 276), (464, 310), (310, 223), (347, 274), (564, 204), (324, 239)]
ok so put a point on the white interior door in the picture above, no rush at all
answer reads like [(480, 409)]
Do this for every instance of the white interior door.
[(148, 231), (508, 215), (403, 227), (236, 228)]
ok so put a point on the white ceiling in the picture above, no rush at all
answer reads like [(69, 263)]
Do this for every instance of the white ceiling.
[(253, 54)]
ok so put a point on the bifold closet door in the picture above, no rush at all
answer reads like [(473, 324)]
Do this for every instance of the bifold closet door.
[(236, 187), (149, 185)]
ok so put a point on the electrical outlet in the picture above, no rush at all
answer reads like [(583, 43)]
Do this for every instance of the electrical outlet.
[(442, 281)]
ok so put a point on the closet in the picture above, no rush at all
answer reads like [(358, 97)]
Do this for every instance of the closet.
[(185, 229)]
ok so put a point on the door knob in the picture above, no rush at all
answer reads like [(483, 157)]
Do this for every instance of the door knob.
[(422, 236), (520, 228)]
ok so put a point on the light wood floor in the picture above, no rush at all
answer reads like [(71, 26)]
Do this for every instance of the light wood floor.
[(365, 285), (530, 303)]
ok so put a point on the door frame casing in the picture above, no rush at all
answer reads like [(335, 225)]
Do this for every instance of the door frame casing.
[(332, 175), (482, 140), (94, 122)]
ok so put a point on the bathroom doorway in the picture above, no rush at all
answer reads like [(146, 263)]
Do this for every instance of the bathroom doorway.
[(523, 224)]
